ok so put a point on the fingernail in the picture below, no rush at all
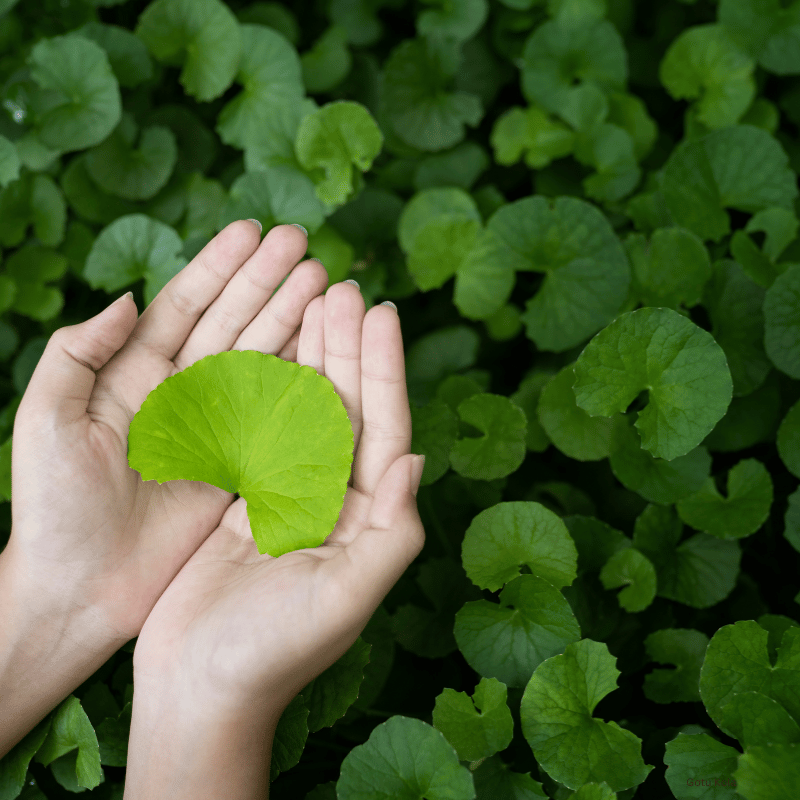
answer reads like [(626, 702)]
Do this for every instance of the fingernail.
[(417, 466), (256, 222), (127, 294), (355, 283), (316, 259), (390, 304), (301, 228)]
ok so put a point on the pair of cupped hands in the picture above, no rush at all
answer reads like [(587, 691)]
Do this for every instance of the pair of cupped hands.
[(176, 564)]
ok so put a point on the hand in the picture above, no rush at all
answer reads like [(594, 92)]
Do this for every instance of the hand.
[(85, 527), (246, 629)]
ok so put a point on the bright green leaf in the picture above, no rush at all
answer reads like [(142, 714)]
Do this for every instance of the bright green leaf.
[(294, 493), (755, 719), (771, 772), (635, 571)]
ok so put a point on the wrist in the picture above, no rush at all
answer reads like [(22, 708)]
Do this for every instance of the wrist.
[(188, 742), (48, 647)]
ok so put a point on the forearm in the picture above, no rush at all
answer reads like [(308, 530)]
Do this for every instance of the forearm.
[(48, 647), (185, 746)]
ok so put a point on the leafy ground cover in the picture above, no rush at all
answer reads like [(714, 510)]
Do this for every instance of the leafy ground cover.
[(586, 212)]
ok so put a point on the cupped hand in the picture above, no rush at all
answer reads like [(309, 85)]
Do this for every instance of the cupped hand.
[(241, 627), (85, 528)]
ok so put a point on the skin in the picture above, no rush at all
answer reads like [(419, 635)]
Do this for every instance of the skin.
[(105, 557)]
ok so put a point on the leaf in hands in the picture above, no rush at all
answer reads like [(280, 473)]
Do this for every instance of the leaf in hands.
[(274, 431), (477, 726), (404, 759), (71, 729), (332, 692)]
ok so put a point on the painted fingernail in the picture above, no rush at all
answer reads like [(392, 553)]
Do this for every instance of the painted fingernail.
[(256, 222), (389, 303), (355, 283), (300, 226)]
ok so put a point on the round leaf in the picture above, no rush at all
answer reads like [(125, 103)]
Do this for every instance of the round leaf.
[(782, 321), (502, 538), (678, 363), (274, 431), (634, 570)]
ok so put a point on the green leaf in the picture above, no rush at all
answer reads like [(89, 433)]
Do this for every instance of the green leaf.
[(692, 760), (792, 520), (270, 73), (86, 198), (404, 759), (478, 726), (328, 62), (71, 729), (201, 35), (686, 649), (671, 270), (560, 52), (507, 641), (703, 63), (771, 772), (133, 247), (434, 432), (556, 715), (79, 103), (527, 398), (530, 131), (635, 571), (595, 791), (437, 229), (767, 29), (332, 692), (737, 661), (14, 764), (126, 53), (290, 739), (458, 21), (741, 513), (782, 321), (734, 304), (609, 149), (586, 272), (31, 267), (596, 541), (704, 176), (460, 167), (501, 450), (570, 428), (421, 107), (338, 138), (700, 571), (788, 440), (495, 780), (681, 366), (508, 535), (294, 492), (10, 163), (755, 719), (120, 167)]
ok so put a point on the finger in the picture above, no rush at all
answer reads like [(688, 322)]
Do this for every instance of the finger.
[(248, 291), (166, 323), (374, 561), (386, 432), (311, 344), (344, 315), (289, 351)]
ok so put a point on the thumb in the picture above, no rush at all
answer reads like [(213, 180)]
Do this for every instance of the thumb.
[(64, 378), (382, 552)]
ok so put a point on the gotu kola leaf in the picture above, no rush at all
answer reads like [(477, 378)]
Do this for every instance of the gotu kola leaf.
[(273, 431)]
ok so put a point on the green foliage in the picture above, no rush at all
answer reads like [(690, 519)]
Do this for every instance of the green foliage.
[(587, 213)]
